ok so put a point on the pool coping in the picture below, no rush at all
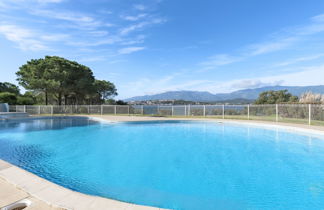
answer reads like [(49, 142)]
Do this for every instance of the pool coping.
[(61, 197)]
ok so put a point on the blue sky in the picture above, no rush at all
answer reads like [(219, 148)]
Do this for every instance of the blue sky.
[(152, 46)]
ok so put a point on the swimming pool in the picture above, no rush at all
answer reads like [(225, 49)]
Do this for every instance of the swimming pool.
[(172, 164)]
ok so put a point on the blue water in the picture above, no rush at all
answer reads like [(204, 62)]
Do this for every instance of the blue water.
[(178, 165)]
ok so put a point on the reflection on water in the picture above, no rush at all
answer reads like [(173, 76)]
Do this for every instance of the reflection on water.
[(45, 124)]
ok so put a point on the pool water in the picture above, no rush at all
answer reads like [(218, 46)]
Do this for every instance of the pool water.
[(172, 164)]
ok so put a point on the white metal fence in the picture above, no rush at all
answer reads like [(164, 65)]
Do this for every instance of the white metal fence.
[(295, 113)]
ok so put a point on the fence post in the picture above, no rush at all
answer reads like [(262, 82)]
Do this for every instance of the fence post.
[(189, 110), (172, 110), (248, 110), (223, 111), (24, 108), (185, 110), (309, 114), (88, 109), (52, 110), (115, 109), (158, 109), (128, 108), (277, 113), (142, 109), (101, 109), (39, 109), (204, 110)]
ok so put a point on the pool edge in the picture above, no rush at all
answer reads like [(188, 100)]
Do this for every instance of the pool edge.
[(301, 128)]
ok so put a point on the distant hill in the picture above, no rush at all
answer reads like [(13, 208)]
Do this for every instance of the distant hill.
[(204, 96)]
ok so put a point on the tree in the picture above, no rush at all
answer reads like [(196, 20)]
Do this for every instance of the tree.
[(121, 102), (276, 97), (6, 97), (10, 93), (74, 82), (64, 81), (36, 75), (8, 87), (105, 89), (114, 102)]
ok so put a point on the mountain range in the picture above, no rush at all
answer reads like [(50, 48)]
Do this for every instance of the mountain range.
[(204, 96)]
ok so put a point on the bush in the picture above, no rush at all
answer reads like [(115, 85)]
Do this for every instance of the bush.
[(9, 98), (312, 98), (276, 97), (25, 100)]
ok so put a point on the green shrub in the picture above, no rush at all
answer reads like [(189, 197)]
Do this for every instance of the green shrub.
[(25, 100), (9, 98)]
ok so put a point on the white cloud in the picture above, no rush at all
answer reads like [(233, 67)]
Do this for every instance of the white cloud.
[(140, 7), (134, 27), (54, 37), (318, 18), (93, 43), (3, 5), (128, 50), (282, 40), (133, 18), (219, 60), (82, 20), (24, 38), (300, 59), (272, 46), (99, 33), (126, 30), (10, 4), (27, 39), (134, 40), (82, 29), (254, 83)]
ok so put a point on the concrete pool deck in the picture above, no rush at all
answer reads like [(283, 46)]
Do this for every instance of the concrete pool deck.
[(17, 184)]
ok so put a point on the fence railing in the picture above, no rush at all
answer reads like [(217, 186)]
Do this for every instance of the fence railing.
[(294, 113)]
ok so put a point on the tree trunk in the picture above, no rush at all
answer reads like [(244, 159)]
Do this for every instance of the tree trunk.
[(46, 97), (60, 98)]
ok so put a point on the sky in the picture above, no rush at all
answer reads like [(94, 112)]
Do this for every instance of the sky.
[(153, 46)]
